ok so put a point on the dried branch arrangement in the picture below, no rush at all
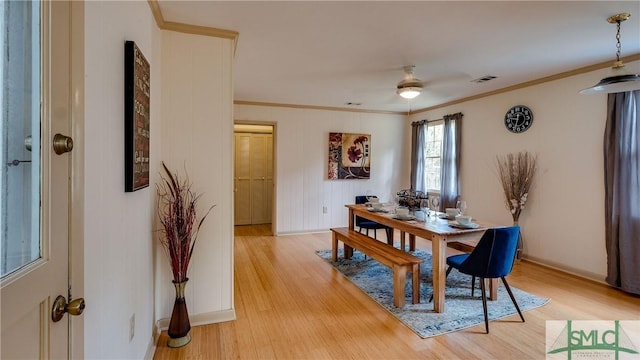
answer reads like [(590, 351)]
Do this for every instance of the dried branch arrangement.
[(177, 213), (516, 173)]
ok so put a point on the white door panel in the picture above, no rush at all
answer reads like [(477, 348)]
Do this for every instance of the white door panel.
[(28, 290), (253, 178)]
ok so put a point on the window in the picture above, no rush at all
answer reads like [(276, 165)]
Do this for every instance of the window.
[(20, 114), (432, 155)]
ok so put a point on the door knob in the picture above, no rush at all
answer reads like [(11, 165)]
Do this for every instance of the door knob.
[(60, 306), (62, 144)]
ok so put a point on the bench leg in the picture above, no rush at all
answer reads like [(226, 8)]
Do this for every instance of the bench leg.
[(399, 281), (415, 283)]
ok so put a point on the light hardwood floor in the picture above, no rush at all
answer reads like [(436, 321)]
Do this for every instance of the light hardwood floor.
[(290, 304)]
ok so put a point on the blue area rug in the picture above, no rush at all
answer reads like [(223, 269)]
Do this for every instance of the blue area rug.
[(461, 310)]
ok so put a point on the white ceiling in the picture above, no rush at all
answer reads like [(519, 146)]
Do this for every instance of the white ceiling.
[(321, 53)]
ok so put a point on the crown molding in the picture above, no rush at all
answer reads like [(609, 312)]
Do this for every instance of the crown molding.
[(545, 79), (191, 29), (316, 107), (234, 35)]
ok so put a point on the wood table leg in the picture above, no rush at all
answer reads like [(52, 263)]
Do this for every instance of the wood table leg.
[(351, 217), (415, 283), (348, 251), (402, 240), (493, 289), (412, 242), (439, 250), (334, 247)]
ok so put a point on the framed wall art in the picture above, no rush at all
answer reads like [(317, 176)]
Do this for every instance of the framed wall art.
[(137, 75), (349, 156)]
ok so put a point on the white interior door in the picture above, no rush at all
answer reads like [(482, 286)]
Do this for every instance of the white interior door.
[(242, 177), (253, 178), (34, 195), (261, 178)]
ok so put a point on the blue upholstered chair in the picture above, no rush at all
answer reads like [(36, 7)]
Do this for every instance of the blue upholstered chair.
[(366, 224), (492, 258)]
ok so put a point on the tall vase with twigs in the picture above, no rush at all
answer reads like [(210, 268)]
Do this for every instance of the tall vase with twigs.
[(177, 213), (516, 172)]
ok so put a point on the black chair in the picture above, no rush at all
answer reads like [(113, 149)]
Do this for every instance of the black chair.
[(366, 224), (492, 258)]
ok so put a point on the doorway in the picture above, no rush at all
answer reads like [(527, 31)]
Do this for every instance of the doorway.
[(253, 175)]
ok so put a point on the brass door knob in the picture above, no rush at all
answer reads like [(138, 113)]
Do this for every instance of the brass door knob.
[(62, 144), (60, 306)]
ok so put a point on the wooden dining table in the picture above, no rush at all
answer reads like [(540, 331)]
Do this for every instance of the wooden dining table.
[(437, 230)]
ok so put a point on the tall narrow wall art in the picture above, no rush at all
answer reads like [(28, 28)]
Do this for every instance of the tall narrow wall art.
[(137, 76), (349, 156)]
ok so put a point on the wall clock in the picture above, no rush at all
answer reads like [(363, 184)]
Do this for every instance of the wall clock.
[(518, 119)]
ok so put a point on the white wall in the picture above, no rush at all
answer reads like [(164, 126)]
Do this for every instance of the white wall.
[(563, 222), (118, 226), (197, 135), (301, 153)]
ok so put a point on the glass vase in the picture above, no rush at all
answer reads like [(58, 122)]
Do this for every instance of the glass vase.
[(179, 326)]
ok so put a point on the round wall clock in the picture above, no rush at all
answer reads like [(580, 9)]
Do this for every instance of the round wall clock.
[(518, 119)]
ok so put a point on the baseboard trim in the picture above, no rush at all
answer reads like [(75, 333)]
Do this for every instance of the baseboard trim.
[(567, 270), (199, 319), (303, 232), (151, 348)]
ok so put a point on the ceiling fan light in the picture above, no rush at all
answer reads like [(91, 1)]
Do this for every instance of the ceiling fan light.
[(614, 84), (409, 92)]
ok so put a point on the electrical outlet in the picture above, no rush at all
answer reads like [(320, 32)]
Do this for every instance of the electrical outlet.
[(132, 327), (324, 209)]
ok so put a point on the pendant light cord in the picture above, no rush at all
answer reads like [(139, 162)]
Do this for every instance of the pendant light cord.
[(618, 45)]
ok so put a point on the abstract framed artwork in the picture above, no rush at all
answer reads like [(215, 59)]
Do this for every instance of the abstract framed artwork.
[(137, 74), (349, 156)]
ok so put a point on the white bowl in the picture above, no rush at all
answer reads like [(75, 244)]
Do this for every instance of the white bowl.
[(402, 212), (463, 219)]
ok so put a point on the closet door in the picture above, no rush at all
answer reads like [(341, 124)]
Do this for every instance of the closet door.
[(269, 180), (242, 179), (261, 178)]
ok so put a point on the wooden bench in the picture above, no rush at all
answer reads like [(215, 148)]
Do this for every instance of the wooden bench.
[(400, 262)]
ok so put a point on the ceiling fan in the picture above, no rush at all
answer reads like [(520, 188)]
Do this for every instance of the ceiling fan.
[(410, 86)]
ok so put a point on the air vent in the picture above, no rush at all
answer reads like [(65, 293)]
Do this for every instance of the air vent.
[(483, 79)]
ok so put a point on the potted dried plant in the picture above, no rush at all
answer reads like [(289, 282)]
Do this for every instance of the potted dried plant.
[(516, 173), (177, 213)]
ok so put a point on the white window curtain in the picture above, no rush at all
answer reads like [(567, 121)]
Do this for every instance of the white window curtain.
[(622, 190), (418, 137), (450, 165)]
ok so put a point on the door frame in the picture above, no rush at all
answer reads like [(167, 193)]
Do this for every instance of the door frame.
[(76, 231), (274, 127)]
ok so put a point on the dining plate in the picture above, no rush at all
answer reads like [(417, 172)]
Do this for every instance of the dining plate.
[(461, 226), (404, 218), (377, 210), (446, 217)]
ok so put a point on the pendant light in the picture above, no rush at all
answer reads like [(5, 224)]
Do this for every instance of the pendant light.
[(619, 82)]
